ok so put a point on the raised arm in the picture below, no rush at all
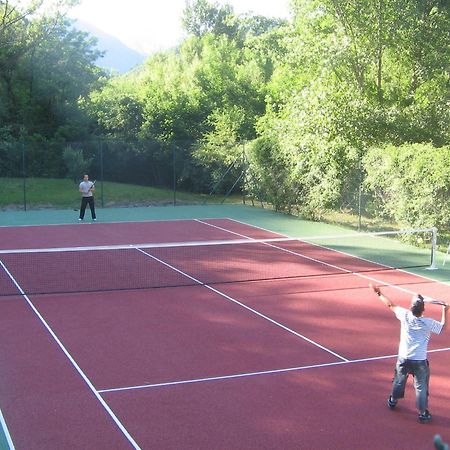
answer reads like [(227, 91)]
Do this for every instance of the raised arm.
[(382, 297), (445, 309)]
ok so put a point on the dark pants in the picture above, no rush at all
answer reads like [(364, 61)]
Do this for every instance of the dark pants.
[(420, 370), (84, 202)]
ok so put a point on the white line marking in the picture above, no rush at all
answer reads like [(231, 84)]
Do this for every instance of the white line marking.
[(331, 236), (6, 431), (445, 349), (253, 226), (224, 229), (252, 374), (143, 245), (284, 249), (71, 359), (254, 311), (76, 223), (224, 377), (348, 254), (358, 274)]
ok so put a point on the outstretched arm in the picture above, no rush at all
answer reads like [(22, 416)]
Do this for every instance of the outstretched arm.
[(445, 309), (382, 297)]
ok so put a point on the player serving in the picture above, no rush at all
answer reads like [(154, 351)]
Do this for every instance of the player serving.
[(415, 332)]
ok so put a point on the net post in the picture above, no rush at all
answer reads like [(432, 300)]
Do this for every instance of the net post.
[(433, 265)]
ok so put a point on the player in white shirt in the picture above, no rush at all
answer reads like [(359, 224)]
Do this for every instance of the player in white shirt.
[(87, 190), (415, 333)]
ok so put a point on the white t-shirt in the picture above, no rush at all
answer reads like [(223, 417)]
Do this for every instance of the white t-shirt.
[(84, 187), (415, 333)]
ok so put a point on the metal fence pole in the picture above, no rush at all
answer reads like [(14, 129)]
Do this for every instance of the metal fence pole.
[(244, 171), (360, 191), (24, 176), (174, 177), (101, 175)]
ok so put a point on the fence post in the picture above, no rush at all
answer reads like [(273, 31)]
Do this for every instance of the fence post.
[(244, 170), (101, 174), (174, 177), (24, 175), (433, 265), (360, 190)]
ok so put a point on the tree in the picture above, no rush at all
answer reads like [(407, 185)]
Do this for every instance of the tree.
[(274, 176), (201, 17), (76, 163), (45, 66), (410, 184)]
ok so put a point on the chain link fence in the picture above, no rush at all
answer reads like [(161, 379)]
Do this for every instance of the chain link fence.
[(142, 173), (47, 174)]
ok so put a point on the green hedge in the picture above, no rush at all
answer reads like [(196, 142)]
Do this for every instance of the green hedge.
[(410, 184)]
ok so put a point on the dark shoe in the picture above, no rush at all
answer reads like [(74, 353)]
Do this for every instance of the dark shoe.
[(425, 417), (391, 402)]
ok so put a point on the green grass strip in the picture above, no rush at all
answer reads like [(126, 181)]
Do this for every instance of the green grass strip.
[(63, 193)]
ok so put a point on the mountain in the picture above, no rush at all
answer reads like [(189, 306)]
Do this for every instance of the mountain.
[(118, 57)]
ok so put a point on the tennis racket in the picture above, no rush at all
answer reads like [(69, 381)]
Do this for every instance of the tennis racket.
[(93, 184), (434, 302)]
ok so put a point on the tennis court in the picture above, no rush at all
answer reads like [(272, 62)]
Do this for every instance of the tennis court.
[(207, 334)]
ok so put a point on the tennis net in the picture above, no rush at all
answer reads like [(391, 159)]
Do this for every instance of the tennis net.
[(126, 267)]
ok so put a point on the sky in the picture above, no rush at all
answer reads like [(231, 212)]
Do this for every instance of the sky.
[(152, 25)]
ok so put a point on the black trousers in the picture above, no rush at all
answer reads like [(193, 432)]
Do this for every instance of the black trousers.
[(84, 202)]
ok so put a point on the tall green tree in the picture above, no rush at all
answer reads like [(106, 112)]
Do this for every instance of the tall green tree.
[(347, 83), (45, 66), (202, 17)]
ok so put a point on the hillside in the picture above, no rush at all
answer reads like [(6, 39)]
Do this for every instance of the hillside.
[(118, 57)]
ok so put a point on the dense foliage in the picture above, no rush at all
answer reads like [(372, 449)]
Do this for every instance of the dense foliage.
[(347, 94), (46, 66), (410, 183)]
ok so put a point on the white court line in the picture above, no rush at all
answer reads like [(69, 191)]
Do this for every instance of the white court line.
[(96, 248), (75, 223), (240, 375), (252, 374), (6, 431), (228, 231), (282, 249), (254, 311), (71, 359), (358, 274)]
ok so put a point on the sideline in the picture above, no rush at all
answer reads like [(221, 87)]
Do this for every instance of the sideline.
[(5, 438)]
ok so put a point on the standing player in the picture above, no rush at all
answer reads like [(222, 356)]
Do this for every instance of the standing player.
[(87, 190), (415, 332)]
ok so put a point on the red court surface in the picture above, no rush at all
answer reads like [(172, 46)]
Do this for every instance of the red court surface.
[(122, 233), (302, 363)]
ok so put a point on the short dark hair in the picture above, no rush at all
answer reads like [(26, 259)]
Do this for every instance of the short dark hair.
[(417, 305)]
